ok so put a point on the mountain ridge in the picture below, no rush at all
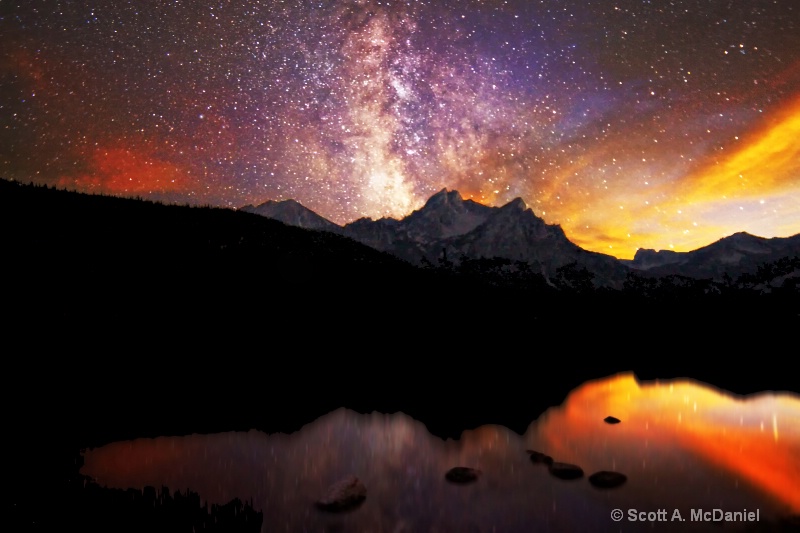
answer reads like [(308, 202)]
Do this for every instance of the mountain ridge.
[(448, 228), (734, 255)]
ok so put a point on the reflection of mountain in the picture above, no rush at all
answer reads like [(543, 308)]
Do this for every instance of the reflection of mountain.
[(681, 445)]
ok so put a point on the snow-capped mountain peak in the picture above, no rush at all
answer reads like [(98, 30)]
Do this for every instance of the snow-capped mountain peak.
[(292, 213)]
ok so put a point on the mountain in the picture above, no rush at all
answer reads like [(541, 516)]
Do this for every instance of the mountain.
[(449, 228), (646, 258), (418, 236), (444, 215), (292, 213), (740, 254), (147, 287), (513, 231)]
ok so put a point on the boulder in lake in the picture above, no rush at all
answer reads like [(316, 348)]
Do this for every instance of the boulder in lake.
[(346, 494), (606, 479), (566, 471), (539, 457), (462, 474)]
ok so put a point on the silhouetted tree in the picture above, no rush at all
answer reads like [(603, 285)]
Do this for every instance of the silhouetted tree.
[(444, 262), (572, 278)]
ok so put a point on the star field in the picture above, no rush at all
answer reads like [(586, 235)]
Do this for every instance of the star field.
[(635, 123)]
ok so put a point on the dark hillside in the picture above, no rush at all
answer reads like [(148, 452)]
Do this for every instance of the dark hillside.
[(240, 321)]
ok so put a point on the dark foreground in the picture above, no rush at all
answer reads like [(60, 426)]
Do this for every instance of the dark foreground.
[(71, 389)]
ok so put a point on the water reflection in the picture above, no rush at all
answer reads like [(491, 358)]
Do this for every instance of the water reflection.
[(683, 446)]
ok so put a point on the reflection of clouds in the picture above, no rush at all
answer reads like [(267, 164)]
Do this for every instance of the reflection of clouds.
[(669, 463), (674, 432)]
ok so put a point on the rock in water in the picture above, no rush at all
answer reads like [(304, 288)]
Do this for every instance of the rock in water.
[(566, 471), (611, 420), (607, 480), (346, 494), (462, 474), (539, 457)]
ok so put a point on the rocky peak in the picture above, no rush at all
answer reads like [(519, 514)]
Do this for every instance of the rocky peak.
[(445, 214), (517, 204), (646, 258), (444, 198), (293, 213)]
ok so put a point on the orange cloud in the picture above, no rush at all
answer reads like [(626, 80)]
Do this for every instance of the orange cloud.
[(710, 202), (754, 437), (125, 171), (769, 161)]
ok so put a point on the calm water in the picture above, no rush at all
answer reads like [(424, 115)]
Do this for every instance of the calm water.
[(683, 446)]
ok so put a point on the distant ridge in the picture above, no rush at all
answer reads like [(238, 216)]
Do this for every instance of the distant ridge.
[(736, 255)]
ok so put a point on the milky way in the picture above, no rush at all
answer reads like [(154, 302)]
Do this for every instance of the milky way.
[(632, 124)]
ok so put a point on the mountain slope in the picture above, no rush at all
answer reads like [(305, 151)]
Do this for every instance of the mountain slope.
[(74, 261), (515, 232), (445, 214), (413, 238), (734, 256)]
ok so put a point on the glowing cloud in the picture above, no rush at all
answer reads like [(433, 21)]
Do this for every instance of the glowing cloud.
[(122, 171)]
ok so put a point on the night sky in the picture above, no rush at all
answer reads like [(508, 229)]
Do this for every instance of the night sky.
[(632, 123)]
